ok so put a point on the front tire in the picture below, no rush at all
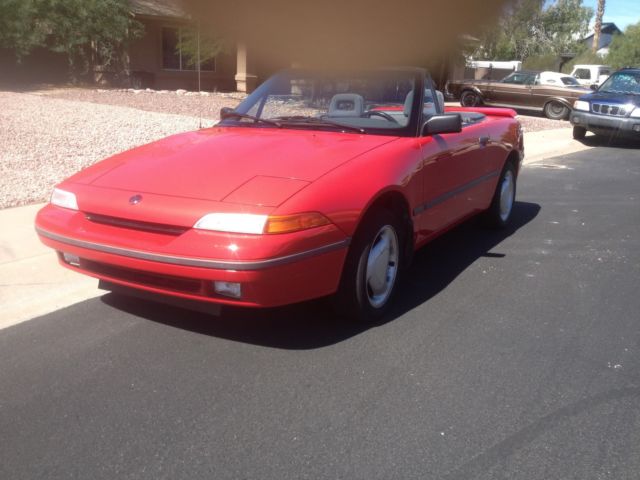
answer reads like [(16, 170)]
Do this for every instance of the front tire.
[(372, 268), (556, 111), (501, 209), (579, 133)]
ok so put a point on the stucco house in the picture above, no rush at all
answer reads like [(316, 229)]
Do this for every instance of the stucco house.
[(156, 62)]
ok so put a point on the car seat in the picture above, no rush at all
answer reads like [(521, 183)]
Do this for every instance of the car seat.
[(428, 110), (346, 105)]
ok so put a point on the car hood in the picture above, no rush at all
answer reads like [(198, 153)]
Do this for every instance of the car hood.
[(257, 166), (618, 98), (571, 88)]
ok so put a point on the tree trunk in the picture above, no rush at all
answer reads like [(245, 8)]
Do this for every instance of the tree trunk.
[(598, 26)]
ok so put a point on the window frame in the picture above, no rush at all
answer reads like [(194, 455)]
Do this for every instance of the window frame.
[(178, 30), (577, 74)]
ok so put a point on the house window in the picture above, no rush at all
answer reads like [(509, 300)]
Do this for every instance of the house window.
[(172, 57)]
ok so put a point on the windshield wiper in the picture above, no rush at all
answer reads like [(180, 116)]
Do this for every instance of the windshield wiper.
[(233, 114), (301, 119)]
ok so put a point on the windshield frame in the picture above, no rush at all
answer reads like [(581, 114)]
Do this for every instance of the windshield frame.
[(420, 78)]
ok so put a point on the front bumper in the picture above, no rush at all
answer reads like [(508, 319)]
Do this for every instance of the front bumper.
[(604, 124), (273, 270)]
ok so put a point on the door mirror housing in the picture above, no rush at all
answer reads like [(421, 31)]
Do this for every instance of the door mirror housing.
[(224, 111), (447, 123)]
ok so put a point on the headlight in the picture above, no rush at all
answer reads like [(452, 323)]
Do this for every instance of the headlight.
[(232, 222), (64, 199), (635, 113), (581, 105), (259, 224)]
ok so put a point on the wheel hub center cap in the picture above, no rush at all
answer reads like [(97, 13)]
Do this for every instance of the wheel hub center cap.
[(379, 271)]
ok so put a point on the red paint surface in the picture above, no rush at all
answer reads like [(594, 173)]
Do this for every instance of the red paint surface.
[(276, 171)]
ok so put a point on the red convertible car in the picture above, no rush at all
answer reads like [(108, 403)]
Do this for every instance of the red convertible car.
[(317, 184)]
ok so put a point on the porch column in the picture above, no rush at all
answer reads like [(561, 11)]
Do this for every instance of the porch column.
[(245, 81)]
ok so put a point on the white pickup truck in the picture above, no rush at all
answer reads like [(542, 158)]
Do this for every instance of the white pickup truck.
[(591, 74)]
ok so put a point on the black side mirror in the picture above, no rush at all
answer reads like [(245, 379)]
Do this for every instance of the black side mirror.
[(593, 87), (448, 123), (224, 111)]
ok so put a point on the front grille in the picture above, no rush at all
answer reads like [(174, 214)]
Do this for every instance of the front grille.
[(136, 225), (165, 282), (608, 109)]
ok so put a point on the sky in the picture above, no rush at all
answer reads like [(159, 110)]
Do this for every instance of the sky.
[(620, 12)]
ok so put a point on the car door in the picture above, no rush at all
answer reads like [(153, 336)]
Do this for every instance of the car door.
[(541, 92), (453, 166), (513, 90)]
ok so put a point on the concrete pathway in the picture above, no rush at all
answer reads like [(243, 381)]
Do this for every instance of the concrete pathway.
[(33, 284), (31, 281)]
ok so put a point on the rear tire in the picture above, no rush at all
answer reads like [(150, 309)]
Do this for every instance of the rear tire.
[(579, 133), (501, 209), (470, 98), (372, 268), (556, 111)]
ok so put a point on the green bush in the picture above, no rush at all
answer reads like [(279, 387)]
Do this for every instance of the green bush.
[(542, 62), (86, 31), (584, 57), (624, 50)]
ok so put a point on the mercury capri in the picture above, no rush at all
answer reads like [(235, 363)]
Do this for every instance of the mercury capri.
[(318, 184)]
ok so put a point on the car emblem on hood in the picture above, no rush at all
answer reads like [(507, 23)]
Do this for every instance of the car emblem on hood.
[(136, 199)]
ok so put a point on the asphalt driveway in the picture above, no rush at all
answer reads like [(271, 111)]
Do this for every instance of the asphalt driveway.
[(511, 355)]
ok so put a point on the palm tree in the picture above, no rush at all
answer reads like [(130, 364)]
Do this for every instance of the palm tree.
[(598, 26)]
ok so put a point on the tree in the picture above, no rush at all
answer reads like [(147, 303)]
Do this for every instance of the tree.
[(86, 31), (597, 28), (565, 22), (199, 44), (19, 30), (624, 50), (535, 28)]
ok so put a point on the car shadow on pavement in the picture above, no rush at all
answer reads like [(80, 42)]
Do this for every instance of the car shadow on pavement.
[(313, 324), (441, 261), (610, 141)]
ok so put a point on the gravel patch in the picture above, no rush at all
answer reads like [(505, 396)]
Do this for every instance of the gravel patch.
[(45, 140), (47, 135), (192, 104), (209, 104), (532, 123)]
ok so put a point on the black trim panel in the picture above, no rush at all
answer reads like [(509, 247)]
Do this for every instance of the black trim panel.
[(452, 193), (197, 262)]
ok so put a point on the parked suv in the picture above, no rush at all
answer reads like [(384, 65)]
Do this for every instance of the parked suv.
[(613, 109)]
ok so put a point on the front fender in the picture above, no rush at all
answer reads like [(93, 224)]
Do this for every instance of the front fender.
[(345, 194)]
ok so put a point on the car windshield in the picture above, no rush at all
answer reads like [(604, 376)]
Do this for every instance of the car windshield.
[(376, 102), (622, 82), (569, 81)]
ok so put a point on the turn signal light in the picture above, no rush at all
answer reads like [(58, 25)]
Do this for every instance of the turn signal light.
[(294, 223)]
